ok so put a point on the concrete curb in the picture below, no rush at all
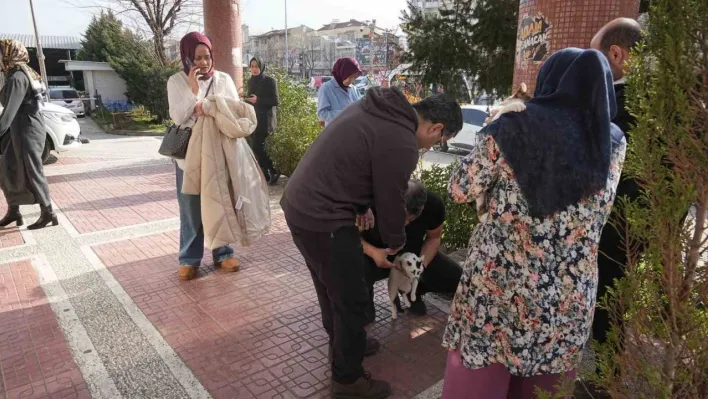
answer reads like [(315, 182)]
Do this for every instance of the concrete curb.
[(134, 133)]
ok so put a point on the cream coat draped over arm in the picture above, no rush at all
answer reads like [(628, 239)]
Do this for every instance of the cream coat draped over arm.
[(221, 167)]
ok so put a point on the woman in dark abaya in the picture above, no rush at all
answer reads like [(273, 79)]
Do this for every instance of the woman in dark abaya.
[(263, 95), (22, 138)]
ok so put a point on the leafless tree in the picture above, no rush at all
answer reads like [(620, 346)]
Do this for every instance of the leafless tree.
[(312, 52), (328, 55), (161, 18), (156, 19)]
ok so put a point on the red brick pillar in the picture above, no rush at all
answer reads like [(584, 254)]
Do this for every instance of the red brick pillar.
[(546, 26), (222, 23)]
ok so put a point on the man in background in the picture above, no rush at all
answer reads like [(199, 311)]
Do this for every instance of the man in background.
[(616, 40)]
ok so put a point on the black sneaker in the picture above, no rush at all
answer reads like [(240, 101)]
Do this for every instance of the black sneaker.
[(418, 307), (372, 347), (364, 388)]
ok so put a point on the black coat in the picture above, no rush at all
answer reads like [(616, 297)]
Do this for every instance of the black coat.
[(627, 186), (265, 89), (22, 139)]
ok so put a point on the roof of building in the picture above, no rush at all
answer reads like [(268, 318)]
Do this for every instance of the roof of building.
[(352, 23), (72, 65), (279, 32), (48, 42)]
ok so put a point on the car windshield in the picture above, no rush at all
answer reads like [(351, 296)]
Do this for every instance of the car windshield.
[(63, 95), (474, 116)]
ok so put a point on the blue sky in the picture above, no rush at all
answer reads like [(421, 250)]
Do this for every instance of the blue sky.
[(70, 17)]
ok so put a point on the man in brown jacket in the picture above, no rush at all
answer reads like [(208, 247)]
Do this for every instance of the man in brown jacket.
[(363, 158)]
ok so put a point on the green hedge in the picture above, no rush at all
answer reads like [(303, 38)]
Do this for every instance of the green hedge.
[(460, 218), (297, 125)]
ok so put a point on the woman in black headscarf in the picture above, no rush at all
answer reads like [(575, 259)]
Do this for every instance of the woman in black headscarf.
[(524, 306), (22, 137), (263, 95)]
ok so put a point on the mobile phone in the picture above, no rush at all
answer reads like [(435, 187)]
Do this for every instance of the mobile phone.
[(190, 65)]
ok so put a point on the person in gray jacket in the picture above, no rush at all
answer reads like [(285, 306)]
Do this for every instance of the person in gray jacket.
[(22, 138)]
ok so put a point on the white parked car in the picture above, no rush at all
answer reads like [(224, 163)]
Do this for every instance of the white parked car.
[(68, 98), (362, 84), (473, 117), (63, 130)]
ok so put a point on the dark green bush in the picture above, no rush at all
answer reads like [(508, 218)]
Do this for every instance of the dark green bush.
[(460, 218)]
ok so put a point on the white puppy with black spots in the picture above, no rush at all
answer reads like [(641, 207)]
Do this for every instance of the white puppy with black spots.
[(404, 279)]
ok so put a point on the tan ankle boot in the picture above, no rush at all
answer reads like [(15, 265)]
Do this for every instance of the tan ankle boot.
[(187, 273), (230, 265)]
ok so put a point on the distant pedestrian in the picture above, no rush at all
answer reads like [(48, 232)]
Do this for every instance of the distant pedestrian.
[(338, 93), (364, 158), (22, 138), (263, 95)]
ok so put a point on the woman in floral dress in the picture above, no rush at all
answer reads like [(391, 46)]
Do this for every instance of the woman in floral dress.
[(524, 305)]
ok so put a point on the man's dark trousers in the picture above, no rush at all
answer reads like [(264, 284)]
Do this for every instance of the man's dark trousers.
[(611, 265), (336, 263)]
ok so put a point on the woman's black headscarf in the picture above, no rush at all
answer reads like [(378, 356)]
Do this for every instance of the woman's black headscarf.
[(560, 147), (255, 80)]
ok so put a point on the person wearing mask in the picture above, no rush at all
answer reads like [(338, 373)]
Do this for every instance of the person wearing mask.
[(263, 95), (186, 91), (425, 216), (616, 40), (337, 94), (363, 158), (524, 306), (22, 138)]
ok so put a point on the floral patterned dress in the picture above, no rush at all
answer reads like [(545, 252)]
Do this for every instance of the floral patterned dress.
[(527, 295)]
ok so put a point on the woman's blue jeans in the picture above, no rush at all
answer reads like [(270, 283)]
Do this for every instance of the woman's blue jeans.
[(191, 231)]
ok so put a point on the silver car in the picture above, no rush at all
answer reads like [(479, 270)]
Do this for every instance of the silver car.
[(68, 98), (473, 117)]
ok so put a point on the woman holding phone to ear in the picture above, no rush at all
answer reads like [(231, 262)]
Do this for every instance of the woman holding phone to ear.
[(185, 91)]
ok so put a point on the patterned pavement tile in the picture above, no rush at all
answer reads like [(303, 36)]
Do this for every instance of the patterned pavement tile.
[(69, 160), (9, 236), (35, 360), (257, 333), (112, 198)]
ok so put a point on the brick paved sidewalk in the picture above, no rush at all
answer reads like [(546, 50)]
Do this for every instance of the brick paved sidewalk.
[(93, 307), (257, 333)]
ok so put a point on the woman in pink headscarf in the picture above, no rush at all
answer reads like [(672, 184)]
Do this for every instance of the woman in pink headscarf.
[(337, 94), (186, 91)]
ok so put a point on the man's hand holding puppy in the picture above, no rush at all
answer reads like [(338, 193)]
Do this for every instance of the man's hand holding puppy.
[(378, 255)]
